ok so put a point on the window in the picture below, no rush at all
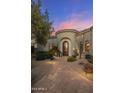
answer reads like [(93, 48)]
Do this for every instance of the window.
[(87, 46)]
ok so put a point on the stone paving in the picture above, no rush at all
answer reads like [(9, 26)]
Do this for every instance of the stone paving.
[(59, 76)]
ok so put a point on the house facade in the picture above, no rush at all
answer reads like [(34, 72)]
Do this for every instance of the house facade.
[(70, 40)]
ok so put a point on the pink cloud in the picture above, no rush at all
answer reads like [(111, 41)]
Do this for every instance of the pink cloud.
[(74, 22)]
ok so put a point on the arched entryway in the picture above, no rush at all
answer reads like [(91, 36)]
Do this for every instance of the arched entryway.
[(65, 48)]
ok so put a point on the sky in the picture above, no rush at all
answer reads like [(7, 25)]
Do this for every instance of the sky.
[(69, 14)]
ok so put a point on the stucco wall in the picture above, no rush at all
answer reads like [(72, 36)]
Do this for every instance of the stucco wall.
[(73, 37), (50, 42), (88, 37)]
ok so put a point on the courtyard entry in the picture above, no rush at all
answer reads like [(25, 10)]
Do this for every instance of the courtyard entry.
[(65, 48)]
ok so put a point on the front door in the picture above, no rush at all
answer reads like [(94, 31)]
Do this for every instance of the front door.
[(65, 48)]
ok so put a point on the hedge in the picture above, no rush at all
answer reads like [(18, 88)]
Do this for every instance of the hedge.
[(41, 55), (89, 58)]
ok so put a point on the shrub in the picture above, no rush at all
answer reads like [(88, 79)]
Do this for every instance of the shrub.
[(41, 55), (88, 68), (75, 53), (54, 51), (74, 56), (89, 58), (71, 59)]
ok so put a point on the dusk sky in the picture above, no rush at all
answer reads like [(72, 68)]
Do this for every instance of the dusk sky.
[(69, 14)]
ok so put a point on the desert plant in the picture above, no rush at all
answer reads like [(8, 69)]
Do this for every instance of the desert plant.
[(88, 68), (75, 53), (54, 51)]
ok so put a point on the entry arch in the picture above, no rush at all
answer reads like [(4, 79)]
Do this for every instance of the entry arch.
[(65, 48), (69, 46)]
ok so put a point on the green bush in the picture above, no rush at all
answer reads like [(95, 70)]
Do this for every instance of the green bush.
[(89, 58), (71, 59), (41, 55)]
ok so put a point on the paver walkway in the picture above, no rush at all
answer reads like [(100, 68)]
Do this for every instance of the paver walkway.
[(59, 76)]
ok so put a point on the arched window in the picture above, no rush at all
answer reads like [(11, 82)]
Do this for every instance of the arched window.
[(87, 46)]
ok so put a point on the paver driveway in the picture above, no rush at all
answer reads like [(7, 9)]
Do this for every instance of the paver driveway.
[(59, 76)]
